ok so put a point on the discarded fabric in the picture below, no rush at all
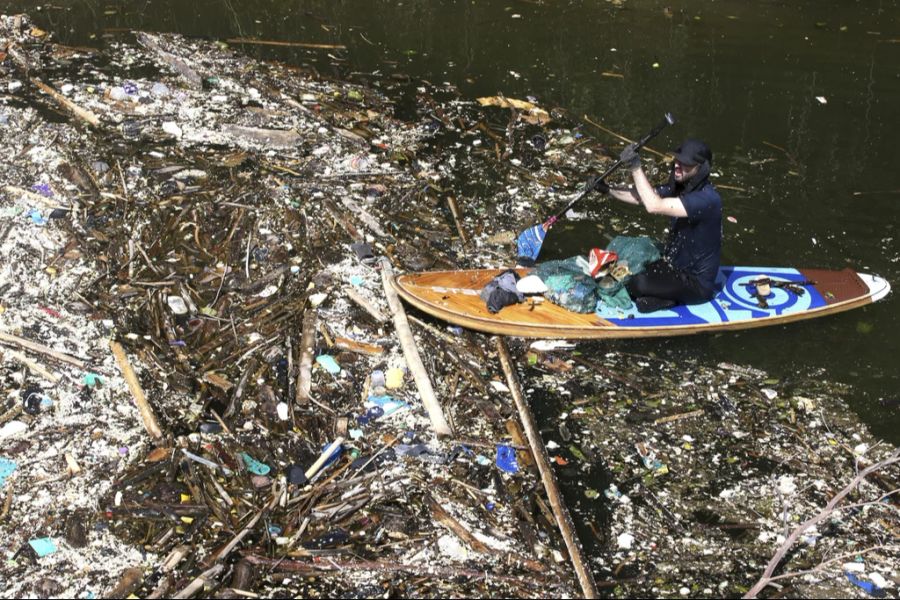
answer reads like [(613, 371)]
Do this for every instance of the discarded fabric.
[(501, 291)]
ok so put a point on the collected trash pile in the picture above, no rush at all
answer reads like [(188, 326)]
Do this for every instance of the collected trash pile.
[(203, 389), (709, 470)]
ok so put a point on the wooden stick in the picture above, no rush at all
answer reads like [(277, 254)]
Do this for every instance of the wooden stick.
[(140, 399), (307, 345), (563, 520), (446, 519), (286, 44), (326, 454), (312, 569), (34, 367), (367, 306), (197, 584), (358, 347), (7, 503), (33, 197), (12, 413), (82, 113), (454, 210), (679, 416), (225, 551), (622, 137), (40, 348), (411, 353)]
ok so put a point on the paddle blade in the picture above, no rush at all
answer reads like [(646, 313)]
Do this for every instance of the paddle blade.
[(529, 243)]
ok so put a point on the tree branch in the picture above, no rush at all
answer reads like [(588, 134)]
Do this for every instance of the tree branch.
[(766, 577)]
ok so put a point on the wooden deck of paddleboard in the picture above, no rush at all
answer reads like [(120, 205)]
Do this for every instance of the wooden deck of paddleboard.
[(453, 296)]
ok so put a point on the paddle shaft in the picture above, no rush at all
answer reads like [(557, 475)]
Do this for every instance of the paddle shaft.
[(668, 120)]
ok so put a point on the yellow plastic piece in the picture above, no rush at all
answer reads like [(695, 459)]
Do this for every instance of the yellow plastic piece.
[(394, 378)]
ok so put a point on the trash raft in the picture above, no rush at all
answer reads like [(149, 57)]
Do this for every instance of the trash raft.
[(204, 387)]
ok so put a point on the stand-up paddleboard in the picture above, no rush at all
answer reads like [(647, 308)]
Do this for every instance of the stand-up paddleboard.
[(453, 296)]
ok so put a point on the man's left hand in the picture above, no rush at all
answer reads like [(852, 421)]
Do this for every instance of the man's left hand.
[(597, 184)]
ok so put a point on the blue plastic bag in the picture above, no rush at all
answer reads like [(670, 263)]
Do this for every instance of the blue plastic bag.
[(506, 459)]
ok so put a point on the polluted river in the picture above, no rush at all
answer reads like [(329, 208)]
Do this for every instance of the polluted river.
[(211, 389)]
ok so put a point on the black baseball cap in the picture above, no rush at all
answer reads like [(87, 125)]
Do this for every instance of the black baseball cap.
[(693, 152)]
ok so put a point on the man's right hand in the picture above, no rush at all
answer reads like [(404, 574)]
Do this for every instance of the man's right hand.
[(630, 158), (597, 184)]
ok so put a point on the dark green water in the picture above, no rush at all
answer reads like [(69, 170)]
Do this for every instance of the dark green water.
[(744, 75)]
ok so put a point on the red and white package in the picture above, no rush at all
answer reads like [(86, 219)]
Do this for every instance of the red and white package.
[(599, 259)]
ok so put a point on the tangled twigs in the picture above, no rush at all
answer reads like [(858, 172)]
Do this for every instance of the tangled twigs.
[(767, 577)]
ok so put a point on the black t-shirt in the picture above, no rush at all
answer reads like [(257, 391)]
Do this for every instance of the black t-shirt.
[(695, 242)]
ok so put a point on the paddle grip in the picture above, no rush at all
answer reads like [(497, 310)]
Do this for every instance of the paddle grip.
[(667, 120)]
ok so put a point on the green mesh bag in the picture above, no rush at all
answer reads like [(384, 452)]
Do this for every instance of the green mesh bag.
[(568, 285), (637, 252)]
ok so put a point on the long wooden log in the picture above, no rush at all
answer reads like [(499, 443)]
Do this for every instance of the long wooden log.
[(411, 353), (563, 520), (139, 398)]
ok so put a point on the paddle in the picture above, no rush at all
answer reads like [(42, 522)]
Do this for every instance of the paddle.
[(530, 241)]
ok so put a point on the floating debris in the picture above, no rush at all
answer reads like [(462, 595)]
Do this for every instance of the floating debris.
[(230, 224)]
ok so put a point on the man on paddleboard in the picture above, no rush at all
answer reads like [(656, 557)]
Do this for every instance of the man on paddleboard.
[(686, 273)]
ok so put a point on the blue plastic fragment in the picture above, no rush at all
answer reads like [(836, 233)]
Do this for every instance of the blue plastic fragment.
[(274, 530), (490, 506), (43, 546), (388, 404), (463, 449), (36, 217), (92, 379), (482, 460), (254, 466), (6, 469), (328, 363), (506, 459), (43, 189), (356, 280), (867, 586)]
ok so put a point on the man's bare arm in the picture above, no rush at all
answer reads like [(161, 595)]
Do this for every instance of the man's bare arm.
[(646, 195), (628, 196)]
